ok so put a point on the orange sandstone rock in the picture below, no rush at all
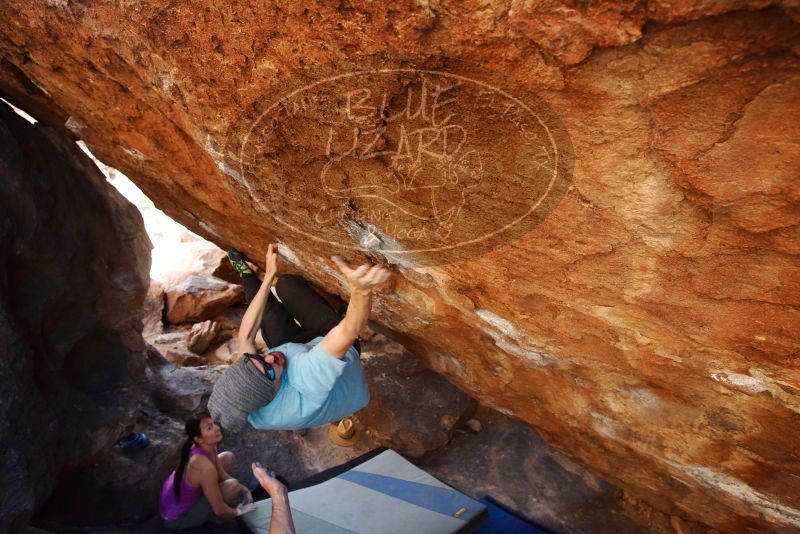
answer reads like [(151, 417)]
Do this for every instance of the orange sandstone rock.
[(645, 320)]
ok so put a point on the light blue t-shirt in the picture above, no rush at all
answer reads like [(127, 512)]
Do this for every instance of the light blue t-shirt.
[(316, 388)]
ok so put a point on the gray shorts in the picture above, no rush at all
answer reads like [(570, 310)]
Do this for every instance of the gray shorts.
[(199, 513)]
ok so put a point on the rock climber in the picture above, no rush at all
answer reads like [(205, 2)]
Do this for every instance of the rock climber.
[(311, 373)]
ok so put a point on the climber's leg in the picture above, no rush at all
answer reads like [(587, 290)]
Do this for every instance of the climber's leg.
[(307, 306), (277, 326)]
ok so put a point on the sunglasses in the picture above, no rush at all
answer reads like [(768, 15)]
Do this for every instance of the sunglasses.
[(269, 371)]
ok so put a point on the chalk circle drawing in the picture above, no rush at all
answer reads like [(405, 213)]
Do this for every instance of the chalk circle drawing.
[(420, 167)]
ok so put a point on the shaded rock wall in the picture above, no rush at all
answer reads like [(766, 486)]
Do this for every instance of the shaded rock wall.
[(123, 486), (74, 263), (647, 327)]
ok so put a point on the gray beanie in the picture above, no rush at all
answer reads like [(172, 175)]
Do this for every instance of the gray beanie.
[(241, 389)]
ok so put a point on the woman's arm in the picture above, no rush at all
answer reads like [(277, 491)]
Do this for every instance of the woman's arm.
[(222, 474), (210, 484), (251, 321)]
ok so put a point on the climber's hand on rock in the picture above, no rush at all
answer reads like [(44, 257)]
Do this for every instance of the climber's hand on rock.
[(364, 278), (271, 268)]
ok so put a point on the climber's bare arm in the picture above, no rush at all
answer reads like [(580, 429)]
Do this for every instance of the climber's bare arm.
[(362, 281), (251, 321)]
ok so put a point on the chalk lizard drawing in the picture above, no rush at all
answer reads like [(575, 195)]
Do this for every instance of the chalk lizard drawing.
[(431, 159)]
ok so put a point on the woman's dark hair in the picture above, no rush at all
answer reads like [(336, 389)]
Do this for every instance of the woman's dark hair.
[(192, 431)]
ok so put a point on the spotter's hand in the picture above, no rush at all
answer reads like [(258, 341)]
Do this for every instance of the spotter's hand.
[(266, 477)]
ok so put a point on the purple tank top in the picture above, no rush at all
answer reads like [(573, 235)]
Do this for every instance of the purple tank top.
[(172, 508)]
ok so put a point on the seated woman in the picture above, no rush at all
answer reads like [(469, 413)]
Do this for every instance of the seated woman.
[(201, 488)]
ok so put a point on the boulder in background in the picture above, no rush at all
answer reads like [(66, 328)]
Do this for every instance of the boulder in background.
[(200, 297)]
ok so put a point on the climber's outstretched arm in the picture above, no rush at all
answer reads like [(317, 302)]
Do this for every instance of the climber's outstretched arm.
[(362, 281), (251, 321)]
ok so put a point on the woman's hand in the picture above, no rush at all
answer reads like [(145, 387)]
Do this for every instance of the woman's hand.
[(267, 479), (364, 278), (271, 268), (246, 508)]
